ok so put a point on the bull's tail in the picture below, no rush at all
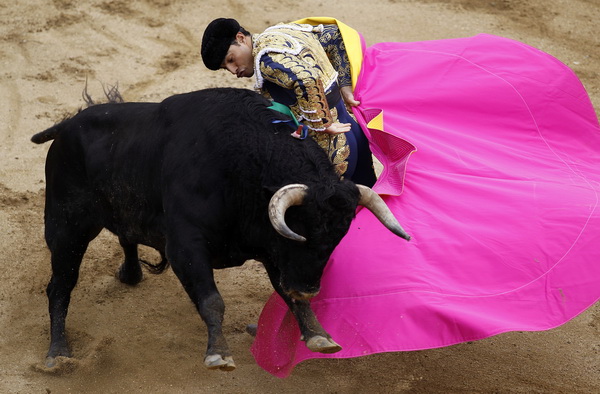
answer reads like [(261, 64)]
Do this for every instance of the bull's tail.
[(47, 135), (112, 95), (156, 269)]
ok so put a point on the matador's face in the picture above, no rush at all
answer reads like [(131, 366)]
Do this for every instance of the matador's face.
[(239, 60)]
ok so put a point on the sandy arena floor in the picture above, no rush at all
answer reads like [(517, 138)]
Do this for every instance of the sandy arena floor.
[(149, 339)]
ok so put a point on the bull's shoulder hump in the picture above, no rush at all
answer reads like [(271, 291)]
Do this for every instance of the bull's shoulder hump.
[(214, 95)]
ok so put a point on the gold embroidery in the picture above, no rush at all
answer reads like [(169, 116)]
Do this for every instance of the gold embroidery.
[(336, 147), (313, 105), (333, 44), (334, 114), (278, 77), (302, 45)]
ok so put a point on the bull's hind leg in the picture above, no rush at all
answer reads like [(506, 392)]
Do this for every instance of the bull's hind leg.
[(71, 222), (130, 272), (67, 249)]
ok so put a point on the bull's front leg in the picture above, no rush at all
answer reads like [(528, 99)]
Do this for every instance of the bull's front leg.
[(313, 333), (192, 267), (315, 336)]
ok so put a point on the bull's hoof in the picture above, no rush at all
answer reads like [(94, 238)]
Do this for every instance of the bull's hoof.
[(50, 362), (252, 329), (321, 344), (58, 362), (57, 351), (215, 361)]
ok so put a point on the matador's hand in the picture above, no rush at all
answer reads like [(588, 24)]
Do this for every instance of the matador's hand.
[(338, 128), (348, 96)]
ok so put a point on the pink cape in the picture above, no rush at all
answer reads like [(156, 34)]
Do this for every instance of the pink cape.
[(501, 199)]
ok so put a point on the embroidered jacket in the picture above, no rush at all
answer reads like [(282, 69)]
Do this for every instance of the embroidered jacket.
[(309, 62)]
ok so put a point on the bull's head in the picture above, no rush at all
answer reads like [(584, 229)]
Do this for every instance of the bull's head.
[(294, 195)]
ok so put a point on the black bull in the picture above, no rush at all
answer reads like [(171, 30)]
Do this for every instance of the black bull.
[(206, 179)]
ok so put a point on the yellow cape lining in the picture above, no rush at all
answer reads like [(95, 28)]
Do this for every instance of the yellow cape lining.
[(351, 38)]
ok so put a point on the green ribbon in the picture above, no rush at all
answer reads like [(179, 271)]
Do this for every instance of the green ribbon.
[(284, 109)]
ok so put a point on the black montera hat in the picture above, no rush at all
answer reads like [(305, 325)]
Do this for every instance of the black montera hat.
[(217, 39)]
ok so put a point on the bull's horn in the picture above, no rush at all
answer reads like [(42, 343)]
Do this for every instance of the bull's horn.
[(284, 198), (371, 200)]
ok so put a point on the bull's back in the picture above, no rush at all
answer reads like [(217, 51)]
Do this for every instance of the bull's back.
[(104, 164)]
